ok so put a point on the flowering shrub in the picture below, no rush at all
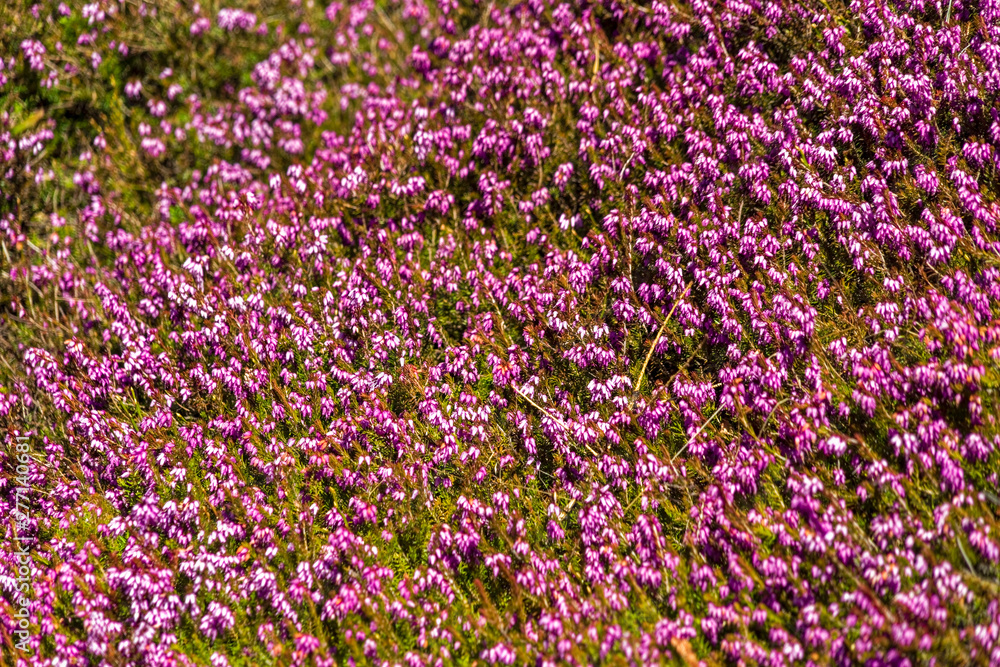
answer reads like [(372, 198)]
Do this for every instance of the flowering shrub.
[(404, 332)]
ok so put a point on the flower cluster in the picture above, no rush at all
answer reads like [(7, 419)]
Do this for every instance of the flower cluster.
[(512, 333)]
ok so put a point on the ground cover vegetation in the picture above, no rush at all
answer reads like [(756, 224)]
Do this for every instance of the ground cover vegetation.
[(430, 333)]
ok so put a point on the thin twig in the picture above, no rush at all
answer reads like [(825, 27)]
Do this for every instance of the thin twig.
[(597, 60), (552, 417), (776, 406), (656, 341), (968, 562), (697, 433)]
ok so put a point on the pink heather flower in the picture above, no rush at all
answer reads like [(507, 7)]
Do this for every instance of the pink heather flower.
[(562, 175), (200, 26), (33, 52), (236, 19)]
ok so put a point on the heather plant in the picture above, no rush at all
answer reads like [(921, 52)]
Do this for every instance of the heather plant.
[(404, 333)]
